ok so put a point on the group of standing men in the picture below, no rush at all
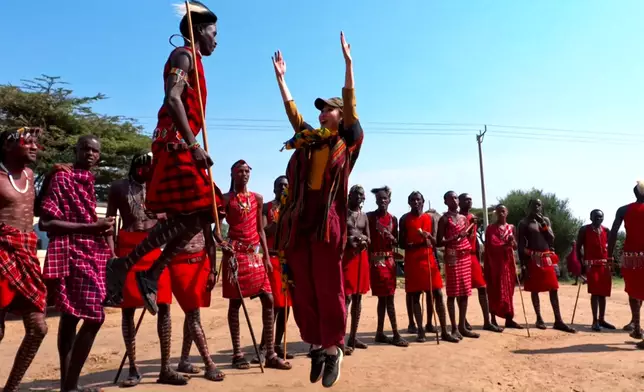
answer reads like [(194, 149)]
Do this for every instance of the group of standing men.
[(319, 252)]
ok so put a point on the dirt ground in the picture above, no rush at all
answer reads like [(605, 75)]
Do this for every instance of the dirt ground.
[(548, 361)]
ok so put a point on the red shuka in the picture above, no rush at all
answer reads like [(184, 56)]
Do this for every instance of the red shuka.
[(478, 281), (598, 271), (500, 270), (177, 186), (189, 273), (126, 241), (541, 272), (356, 272), (420, 262), (242, 231), (381, 255), (633, 262), (280, 299), (458, 260)]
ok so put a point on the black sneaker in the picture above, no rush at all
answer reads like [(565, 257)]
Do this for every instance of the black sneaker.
[(332, 366), (317, 364)]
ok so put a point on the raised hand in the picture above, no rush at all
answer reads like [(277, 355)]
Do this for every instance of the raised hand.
[(346, 48), (279, 64)]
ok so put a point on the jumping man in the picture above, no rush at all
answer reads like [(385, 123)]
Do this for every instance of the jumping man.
[(356, 263), (22, 289), (76, 257), (538, 259), (592, 248), (383, 231), (312, 228), (179, 186)]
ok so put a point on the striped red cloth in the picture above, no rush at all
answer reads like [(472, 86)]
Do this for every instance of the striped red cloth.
[(20, 268), (458, 260), (241, 215), (76, 262)]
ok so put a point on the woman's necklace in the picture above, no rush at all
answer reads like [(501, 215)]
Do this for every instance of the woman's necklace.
[(13, 183)]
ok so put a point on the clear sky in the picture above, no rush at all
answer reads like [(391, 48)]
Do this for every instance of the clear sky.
[(429, 74)]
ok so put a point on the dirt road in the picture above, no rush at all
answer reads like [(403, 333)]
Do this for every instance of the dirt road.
[(548, 361)]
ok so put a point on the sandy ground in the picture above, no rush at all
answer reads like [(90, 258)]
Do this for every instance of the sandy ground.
[(548, 361)]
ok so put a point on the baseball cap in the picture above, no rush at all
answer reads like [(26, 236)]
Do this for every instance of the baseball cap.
[(335, 102)]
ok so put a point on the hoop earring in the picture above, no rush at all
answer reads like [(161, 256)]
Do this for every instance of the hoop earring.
[(177, 35)]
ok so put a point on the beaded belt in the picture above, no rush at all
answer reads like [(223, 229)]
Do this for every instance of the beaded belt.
[(193, 260), (452, 255), (541, 259), (240, 247), (600, 262), (378, 258), (633, 260), (176, 147)]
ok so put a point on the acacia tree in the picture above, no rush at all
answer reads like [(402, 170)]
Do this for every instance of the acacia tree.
[(47, 102)]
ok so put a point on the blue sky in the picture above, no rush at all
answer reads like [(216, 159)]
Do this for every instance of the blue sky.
[(574, 65)]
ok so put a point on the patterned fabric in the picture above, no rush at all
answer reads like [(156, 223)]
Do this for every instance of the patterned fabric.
[(381, 256), (307, 138), (177, 186), (420, 262), (241, 215), (458, 260), (189, 276), (478, 280), (20, 268), (500, 269), (75, 262)]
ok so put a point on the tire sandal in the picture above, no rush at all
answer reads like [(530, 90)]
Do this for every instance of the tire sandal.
[(173, 378), (131, 381), (214, 374), (398, 341), (278, 363), (383, 339), (188, 368), (148, 288), (240, 363)]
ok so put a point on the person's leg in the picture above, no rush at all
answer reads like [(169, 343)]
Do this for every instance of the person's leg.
[(281, 317), (239, 361), (164, 330), (442, 317), (80, 351), (536, 303), (559, 323), (273, 361), (129, 338), (451, 309), (356, 311), (66, 336), (380, 329), (485, 308), (418, 313), (462, 313), (185, 366), (430, 327), (594, 307), (635, 305), (391, 313), (35, 331), (602, 314), (3, 316), (410, 313), (195, 329)]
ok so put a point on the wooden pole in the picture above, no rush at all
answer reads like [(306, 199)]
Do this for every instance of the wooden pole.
[(525, 316), (479, 141)]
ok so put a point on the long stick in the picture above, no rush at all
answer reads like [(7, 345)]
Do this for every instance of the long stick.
[(250, 326), (204, 134), (285, 318), (525, 317), (138, 324), (576, 300), (431, 294)]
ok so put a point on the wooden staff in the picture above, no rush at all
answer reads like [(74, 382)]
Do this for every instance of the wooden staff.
[(525, 317), (233, 271), (204, 134), (576, 300), (285, 318), (138, 324)]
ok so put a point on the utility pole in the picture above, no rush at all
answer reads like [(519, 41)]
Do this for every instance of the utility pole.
[(479, 141)]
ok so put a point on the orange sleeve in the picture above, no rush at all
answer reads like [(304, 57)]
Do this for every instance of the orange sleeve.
[(349, 114), (293, 115)]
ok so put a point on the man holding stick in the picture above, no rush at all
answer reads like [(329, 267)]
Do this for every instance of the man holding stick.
[(179, 185), (356, 263), (592, 251), (312, 228), (537, 256)]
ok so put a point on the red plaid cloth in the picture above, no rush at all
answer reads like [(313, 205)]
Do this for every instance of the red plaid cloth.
[(242, 231), (458, 260), (19, 265), (75, 262)]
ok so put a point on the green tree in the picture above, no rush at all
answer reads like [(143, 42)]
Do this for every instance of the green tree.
[(564, 224), (619, 246), (48, 103)]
